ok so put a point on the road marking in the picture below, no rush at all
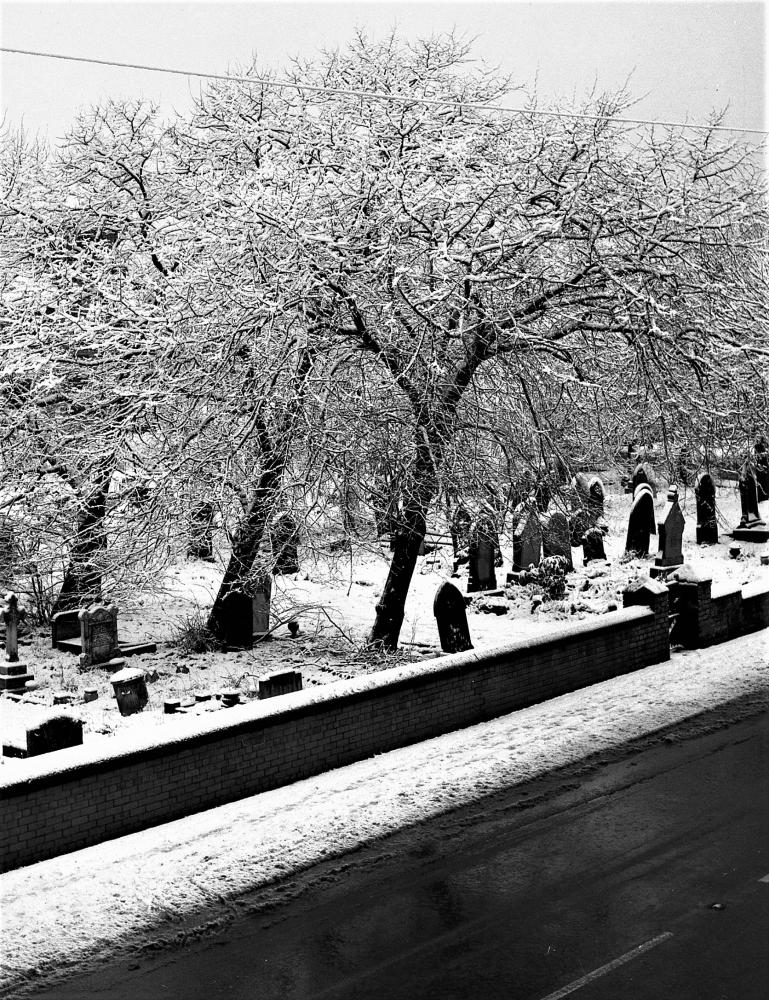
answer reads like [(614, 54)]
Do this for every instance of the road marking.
[(596, 973), (764, 879)]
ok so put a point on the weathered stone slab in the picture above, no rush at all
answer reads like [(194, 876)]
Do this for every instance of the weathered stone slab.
[(282, 682), (641, 523), (483, 549), (451, 618), (670, 530), (707, 514)]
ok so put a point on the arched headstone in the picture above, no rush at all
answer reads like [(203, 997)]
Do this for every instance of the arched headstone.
[(707, 521), (556, 538), (643, 474), (483, 551), (641, 523), (592, 545), (451, 618), (461, 523)]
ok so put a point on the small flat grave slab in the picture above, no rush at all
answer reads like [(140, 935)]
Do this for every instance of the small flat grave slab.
[(283, 682)]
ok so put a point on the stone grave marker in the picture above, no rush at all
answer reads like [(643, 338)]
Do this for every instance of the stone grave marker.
[(643, 474), (482, 551), (670, 530), (752, 527), (641, 523), (761, 465), (98, 631), (556, 538), (41, 732), (707, 519), (13, 673), (451, 618), (130, 689), (234, 624), (261, 607), (592, 546), (201, 542), (527, 539), (64, 625), (282, 682), (285, 533)]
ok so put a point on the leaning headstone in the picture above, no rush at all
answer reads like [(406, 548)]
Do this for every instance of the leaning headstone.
[(451, 618), (592, 546), (556, 538), (285, 533), (670, 531), (527, 540), (130, 689), (482, 551), (283, 682), (261, 607), (707, 521), (234, 623), (98, 631), (641, 523), (13, 673), (201, 541)]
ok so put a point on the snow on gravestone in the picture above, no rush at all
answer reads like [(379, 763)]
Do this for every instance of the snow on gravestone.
[(98, 629), (749, 497), (641, 522), (670, 531), (707, 522), (451, 618), (13, 673)]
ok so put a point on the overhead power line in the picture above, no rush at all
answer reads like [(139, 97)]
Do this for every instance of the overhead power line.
[(374, 95)]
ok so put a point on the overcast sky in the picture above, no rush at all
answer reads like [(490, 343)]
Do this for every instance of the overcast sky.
[(686, 57)]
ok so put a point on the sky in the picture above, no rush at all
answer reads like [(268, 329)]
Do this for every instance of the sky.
[(684, 59)]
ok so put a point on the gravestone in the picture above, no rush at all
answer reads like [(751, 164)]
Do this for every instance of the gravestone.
[(234, 623), (285, 533), (201, 542), (595, 499), (482, 551), (670, 530), (261, 607), (707, 520), (592, 546), (13, 673), (641, 523), (42, 732), (283, 682), (556, 538), (451, 618), (752, 527), (130, 687), (98, 631), (748, 496), (579, 523), (643, 474), (65, 625), (527, 539), (461, 523)]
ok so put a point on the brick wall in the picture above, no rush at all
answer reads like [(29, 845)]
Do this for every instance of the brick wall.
[(73, 798), (707, 617)]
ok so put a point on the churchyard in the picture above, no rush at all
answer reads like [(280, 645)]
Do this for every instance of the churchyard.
[(312, 629)]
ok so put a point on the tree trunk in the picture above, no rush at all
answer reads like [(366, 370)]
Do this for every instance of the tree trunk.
[(83, 577)]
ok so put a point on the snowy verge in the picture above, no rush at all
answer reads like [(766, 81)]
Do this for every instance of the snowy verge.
[(150, 888)]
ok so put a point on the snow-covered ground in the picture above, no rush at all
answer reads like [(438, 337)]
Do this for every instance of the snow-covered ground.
[(162, 886)]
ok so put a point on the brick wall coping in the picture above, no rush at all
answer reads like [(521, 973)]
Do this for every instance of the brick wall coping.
[(76, 762), (724, 590), (754, 589)]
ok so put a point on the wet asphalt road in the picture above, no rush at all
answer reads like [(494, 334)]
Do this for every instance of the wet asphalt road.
[(606, 891)]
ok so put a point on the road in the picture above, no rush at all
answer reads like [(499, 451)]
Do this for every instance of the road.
[(648, 880)]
